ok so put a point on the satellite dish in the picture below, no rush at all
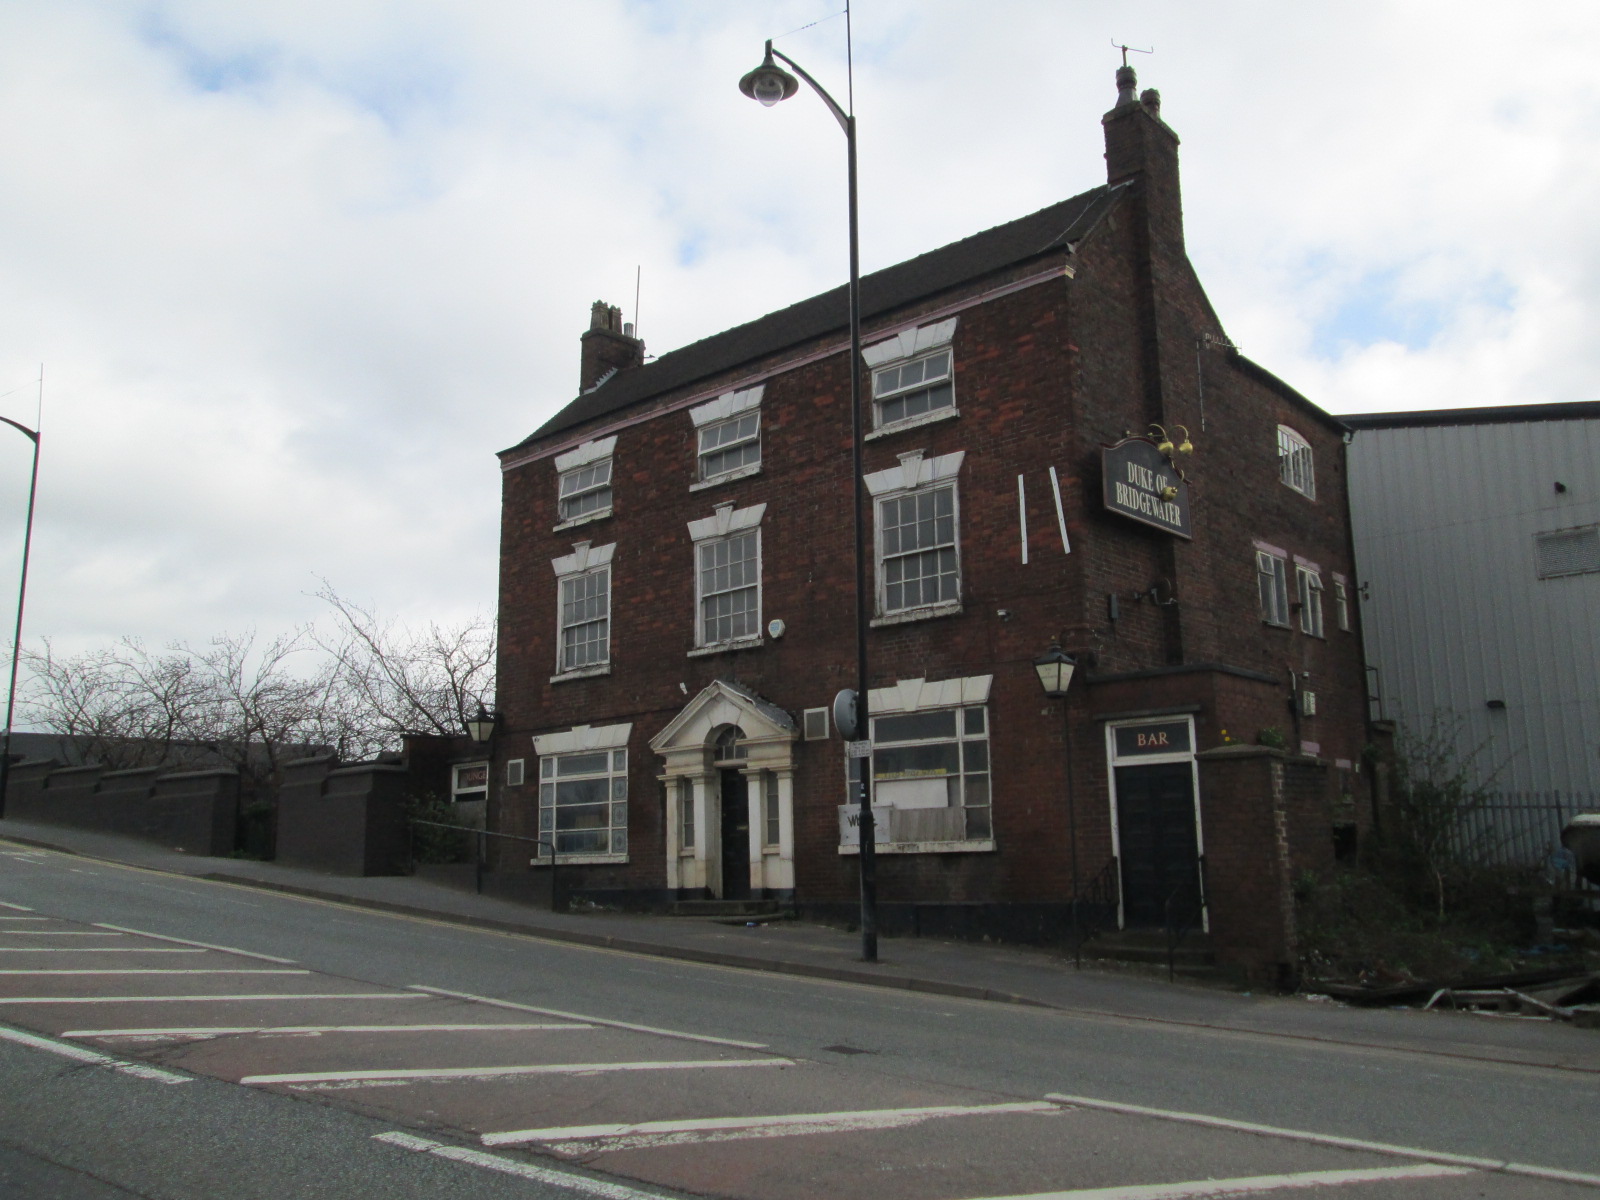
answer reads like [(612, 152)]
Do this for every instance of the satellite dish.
[(844, 715)]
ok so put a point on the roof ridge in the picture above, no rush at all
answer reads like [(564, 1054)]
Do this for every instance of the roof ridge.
[(888, 288)]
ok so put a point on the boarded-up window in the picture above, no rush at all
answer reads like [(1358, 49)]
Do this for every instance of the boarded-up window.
[(1568, 552)]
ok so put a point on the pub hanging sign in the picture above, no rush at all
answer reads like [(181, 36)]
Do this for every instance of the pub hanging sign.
[(1142, 483)]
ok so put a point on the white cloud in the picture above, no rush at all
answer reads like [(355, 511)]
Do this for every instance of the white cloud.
[(297, 270)]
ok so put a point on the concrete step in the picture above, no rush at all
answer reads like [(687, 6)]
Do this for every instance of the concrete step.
[(725, 908)]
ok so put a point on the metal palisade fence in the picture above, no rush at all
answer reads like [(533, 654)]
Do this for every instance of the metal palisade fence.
[(1523, 829)]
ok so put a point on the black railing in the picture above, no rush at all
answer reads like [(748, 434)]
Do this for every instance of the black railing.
[(480, 852), (1095, 907), (1185, 908)]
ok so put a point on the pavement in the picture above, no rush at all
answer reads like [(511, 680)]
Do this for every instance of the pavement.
[(980, 971)]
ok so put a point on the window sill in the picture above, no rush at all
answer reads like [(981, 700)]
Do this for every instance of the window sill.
[(744, 643), (927, 418), (969, 846), (726, 477), (581, 673), (926, 613), (1311, 496), (578, 860), (1284, 625), (586, 519)]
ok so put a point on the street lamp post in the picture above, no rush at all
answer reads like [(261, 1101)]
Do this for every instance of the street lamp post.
[(22, 593), (770, 83), (1055, 669)]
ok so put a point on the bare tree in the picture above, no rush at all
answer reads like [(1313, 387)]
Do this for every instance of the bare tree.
[(241, 702), (405, 680), (233, 703)]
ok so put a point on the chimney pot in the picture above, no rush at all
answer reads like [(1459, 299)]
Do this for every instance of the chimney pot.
[(1151, 99), (1126, 82)]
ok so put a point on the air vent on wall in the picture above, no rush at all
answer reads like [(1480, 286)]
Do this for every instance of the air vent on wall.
[(1568, 552), (816, 722)]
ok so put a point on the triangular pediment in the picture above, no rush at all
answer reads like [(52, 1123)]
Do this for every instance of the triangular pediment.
[(722, 703)]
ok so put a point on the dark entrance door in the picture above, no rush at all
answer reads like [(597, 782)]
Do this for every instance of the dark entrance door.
[(1156, 836), (735, 836)]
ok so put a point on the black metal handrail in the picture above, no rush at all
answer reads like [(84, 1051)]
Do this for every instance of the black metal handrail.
[(480, 851), (1102, 893), (1180, 922)]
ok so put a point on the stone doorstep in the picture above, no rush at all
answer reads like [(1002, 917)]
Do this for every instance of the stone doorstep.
[(1194, 955)]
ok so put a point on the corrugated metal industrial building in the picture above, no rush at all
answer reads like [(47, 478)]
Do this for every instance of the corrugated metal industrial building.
[(1477, 538)]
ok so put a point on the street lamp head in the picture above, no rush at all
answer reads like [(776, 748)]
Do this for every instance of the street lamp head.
[(769, 83), (1055, 669), (481, 727)]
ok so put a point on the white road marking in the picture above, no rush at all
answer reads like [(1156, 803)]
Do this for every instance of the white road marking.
[(207, 999), (225, 1030), (1245, 1186), (556, 1012), (152, 971), (78, 1054), (161, 937), (524, 1170), (26, 918), (15, 907), (1327, 1139), (618, 1137), (97, 950), (54, 932), (594, 1068)]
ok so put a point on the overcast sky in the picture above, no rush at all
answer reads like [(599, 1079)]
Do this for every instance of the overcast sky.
[(296, 269)]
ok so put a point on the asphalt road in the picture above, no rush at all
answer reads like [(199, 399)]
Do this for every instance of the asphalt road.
[(288, 1047)]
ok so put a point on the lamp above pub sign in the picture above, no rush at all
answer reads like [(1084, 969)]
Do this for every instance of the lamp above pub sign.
[(1142, 483)]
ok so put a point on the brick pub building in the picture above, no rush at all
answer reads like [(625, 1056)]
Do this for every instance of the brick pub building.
[(1062, 446)]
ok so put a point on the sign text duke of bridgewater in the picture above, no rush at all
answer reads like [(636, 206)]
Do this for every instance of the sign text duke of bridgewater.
[(1141, 484), (1144, 494)]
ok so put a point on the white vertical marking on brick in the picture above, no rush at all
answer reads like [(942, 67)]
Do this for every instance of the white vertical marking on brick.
[(1022, 517), (1061, 516), (523, 1170)]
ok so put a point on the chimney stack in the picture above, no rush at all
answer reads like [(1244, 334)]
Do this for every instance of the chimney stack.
[(608, 346), (1142, 148)]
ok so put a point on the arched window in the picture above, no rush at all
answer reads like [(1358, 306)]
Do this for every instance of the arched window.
[(730, 745)]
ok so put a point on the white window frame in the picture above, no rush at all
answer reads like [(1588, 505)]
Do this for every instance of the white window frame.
[(888, 358), (1273, 565), (1296, 465), (588, 468), (515, 770), (584, 562), (1341, 602), (608, 765), (729, 409), (1308, 587), (721, 528), (610, 741), (915, 476), (910, 697), (460, 794)]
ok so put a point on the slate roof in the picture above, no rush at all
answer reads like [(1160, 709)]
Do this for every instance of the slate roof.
[(881, 292)]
